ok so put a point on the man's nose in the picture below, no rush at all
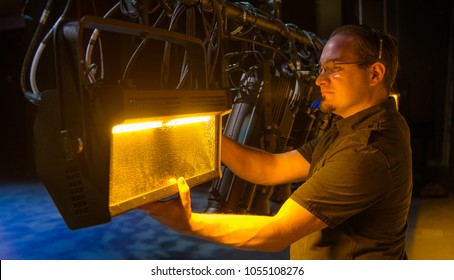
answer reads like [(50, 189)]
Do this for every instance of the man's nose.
[(322, 78)]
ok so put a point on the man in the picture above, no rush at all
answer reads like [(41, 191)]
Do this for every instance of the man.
[(357, 190)]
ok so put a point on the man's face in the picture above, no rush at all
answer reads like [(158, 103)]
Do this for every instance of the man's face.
[(343, 83)]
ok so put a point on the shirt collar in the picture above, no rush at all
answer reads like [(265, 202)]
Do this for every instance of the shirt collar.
[(369, 118)]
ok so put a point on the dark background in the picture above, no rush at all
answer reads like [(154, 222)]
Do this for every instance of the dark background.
[(425, 78)]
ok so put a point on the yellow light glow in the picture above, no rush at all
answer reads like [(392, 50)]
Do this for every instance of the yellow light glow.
[(145, 164), (131, 127), (187, 121), (136, 126), (396, 97)]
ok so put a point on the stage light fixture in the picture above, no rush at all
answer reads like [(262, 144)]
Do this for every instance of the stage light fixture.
[(102, 150)]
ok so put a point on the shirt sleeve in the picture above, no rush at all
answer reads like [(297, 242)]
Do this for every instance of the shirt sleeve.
[(308, 149), (350, 181)]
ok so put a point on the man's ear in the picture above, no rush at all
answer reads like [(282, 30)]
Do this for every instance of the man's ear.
[(378, 70)]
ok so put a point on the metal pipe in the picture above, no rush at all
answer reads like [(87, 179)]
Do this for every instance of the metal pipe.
[(261, 21)]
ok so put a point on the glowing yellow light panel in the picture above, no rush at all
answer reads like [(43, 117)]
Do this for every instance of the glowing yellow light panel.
[(148, 156)]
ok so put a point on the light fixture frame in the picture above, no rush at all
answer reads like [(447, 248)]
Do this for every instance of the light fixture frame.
[(72, 129)]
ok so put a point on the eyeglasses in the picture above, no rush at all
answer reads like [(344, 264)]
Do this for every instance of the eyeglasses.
[(380, 52), (380, 40), (331, 67)]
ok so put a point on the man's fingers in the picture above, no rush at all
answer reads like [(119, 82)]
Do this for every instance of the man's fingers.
[(185, 195), (182, 186)]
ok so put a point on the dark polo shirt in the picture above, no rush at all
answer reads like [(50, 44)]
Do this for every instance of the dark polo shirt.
[(359, 184)]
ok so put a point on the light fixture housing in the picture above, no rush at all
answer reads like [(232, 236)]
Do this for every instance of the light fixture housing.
[(103, 150)]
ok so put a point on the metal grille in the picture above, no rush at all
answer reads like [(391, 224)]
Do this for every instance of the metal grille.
[(76, 190)]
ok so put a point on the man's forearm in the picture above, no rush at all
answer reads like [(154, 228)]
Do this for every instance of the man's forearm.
[(247, 162), (266, 233), (239, 231), (261, 167)]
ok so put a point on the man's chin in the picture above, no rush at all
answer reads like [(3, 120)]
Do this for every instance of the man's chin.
[(326, 107)]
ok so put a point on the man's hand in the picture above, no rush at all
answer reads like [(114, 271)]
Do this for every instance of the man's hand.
[(174, 213)]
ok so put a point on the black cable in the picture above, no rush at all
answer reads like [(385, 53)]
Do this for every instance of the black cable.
[(167, 48), (140, 48), (262, 45)]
